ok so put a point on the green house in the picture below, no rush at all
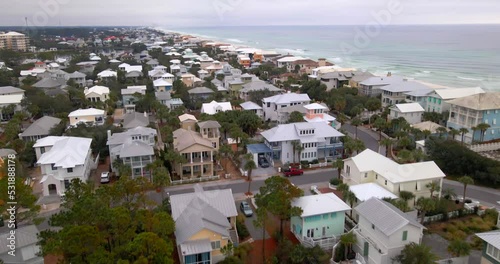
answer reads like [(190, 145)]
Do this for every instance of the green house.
[(322, 220)]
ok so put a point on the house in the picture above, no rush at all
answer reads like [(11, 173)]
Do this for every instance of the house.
[(470, 111), (188, 79), (25, 240), (205, 222), (153, 63), (40, 128), (491, 247), (135, 119), (366, 191), (165, 98), (321, 222), (91, 116), (318, 140), (383, 231), (61, 160), (129, 95), (411, 112), (51, 87), (133, 147), (397, 92), (197, 152), (10, 102), (319, 113), (161, 85), (257, 85), (78, 77), (370, 166), (372, 86), (437, 101), (272, 105), (200, 93), (202, 74), (427, 125), (214, 107), (107, 74), (188, 121), (97, 93), (253, 107), (210, 130)]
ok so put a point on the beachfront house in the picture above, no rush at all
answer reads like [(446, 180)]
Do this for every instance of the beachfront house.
[(205, 222), (89, 116), (273, 105), (411, 112), (321, 222), (10, 102), (491, 247), (133, 147), (62, 159), (318, 141), (437, 100), (372, 86), (40, 128), (470, 111), (370, 166), (383, 231)]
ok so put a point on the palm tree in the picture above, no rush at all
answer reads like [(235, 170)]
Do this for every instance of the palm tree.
[(343, 188), (483, 127), (453, 133), (347, 240), (459, 248), (426, 133), (448, 193), (249, 166), (463, 131), (465, 180), (474, 129), (425, 205), (354, 146), (296, 145), (441, 131), (350, 197), (433, 186), (356, 122), (161, 179), (416, 253), (339, 165), (380, 124), (406, 195), (387, 142)]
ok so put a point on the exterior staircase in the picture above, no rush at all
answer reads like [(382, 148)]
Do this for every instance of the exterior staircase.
[(233, 234)]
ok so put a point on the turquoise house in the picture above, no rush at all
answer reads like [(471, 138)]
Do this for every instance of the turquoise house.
[(322, 220)]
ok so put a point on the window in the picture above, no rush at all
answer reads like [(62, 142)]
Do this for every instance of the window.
[(332, 215), (493, 252), (405, 235), (69, 170), (215, 244), (42, 150), (325, 216), (373, 226), (385, 182), (66, 184), (366, 174), (376, 176)]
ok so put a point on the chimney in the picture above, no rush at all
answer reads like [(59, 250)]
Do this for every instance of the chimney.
[(389, 74), (321, 62), (109, 134)]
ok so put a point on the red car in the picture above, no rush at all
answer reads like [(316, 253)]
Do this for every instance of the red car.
[(292, 172)]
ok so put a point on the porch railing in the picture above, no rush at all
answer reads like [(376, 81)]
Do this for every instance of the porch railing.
[(194, 180)]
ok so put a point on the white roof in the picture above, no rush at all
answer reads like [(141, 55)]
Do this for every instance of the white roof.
[(378, 81), (287, 98), (320, 204), (289, 132), (87, 112), (366, 191), (250, 106), (409, 108), (11, 98), (325, 118), (98, 90), (222, 200), (315, 106), (107, 73), (13, 33), (448, 94), (214, 107), (369, 160), (290, 59), (185, 117), (492, 238), (161, 82), (66, 152)]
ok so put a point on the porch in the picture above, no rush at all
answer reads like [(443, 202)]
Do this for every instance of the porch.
[(326, 242)]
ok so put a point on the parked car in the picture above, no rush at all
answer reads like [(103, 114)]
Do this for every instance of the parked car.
[(263, 162), (105, 177), (292, 172), (245, 209)]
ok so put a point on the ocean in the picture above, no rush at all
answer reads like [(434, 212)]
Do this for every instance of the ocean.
[(451, 55)]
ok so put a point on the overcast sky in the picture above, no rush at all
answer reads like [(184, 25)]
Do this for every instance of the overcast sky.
[(188, 13)]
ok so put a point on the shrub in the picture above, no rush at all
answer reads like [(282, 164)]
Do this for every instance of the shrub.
[(315, 161), (334, 181), (241, 227)]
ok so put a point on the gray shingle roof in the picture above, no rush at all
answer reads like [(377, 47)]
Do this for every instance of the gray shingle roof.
[(385, 216), (41, 126), (10, 90), (25, 236), (135, 120), (259, 85), (48, 83), (135, 149), (221, 200), (5, 152), (209, 124), (185, 138), (201, 90)]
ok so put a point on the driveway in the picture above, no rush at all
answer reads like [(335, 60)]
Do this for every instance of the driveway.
[(259, 171), (255, 233)]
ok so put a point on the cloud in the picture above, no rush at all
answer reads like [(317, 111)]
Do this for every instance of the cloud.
[(242, 12)]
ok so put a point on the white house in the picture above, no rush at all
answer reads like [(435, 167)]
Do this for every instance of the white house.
[(161, 85), (272, 105), (214, 107), (253, 107), (90, 116), (10, 96), (383, 231), (97, 93), (370, 166), (133, 147), (62, 159), (107, 74), (411, 112), (319, 141)]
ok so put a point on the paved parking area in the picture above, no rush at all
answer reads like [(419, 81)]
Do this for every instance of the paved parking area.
[(270, 171), (255, 233)]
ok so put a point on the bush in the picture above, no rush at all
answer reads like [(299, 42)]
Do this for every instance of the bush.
[(315, 161), (241, 227), (334, 181)]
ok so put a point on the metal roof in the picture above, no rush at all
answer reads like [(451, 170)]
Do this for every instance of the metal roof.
[(195, 247), (288, 132), (25, 236), (66, 152), (221, 200), (369, 190), (320, 204), (209, 124), (492, 238), (41, 126), (258, 148)]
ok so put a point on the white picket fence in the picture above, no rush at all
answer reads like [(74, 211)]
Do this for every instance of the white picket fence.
[(194, 180)]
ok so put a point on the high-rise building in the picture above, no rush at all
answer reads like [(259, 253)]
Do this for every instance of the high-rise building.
[(14, 41)]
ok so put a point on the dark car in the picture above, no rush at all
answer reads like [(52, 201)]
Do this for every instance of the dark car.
[(292, 172), (245, 209), (263, 162)]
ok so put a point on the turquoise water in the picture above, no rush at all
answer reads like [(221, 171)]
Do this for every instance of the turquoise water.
[(453, 55)]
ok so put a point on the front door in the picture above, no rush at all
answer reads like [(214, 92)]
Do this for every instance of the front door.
[(366, 248), (52, 189), (324, 232)]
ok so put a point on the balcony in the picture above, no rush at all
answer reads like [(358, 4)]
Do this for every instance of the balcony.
[(326, 243), (334, 145)]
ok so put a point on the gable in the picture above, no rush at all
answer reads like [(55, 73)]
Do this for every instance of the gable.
[(196, 147)]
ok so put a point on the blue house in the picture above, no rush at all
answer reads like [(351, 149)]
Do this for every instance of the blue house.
[(470, 111), (322, 220)]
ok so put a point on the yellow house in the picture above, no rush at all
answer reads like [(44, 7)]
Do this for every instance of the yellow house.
[(198, 154), (205, 222), (91, 116)]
